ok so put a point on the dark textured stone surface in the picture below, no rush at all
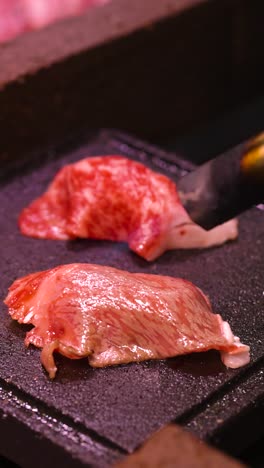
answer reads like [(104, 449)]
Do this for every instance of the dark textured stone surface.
[(125, 404), (234, 421), (32, 437)]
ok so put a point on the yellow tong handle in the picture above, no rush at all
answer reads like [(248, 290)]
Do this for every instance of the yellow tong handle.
[(252, 162)]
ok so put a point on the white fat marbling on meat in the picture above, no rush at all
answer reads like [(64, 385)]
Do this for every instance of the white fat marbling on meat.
[(240, 355), (191, 236)]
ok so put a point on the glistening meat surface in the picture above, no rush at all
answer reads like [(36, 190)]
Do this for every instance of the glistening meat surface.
[(115, 317), (114, 198)]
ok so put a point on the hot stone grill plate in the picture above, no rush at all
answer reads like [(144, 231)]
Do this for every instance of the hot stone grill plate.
[(95, 416)]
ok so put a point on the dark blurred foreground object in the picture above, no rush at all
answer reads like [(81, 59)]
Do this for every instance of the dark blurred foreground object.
[(154, 68), (225, 186), (174, 447)]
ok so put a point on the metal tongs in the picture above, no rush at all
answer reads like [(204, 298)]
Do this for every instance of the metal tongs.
[(225, 186)]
